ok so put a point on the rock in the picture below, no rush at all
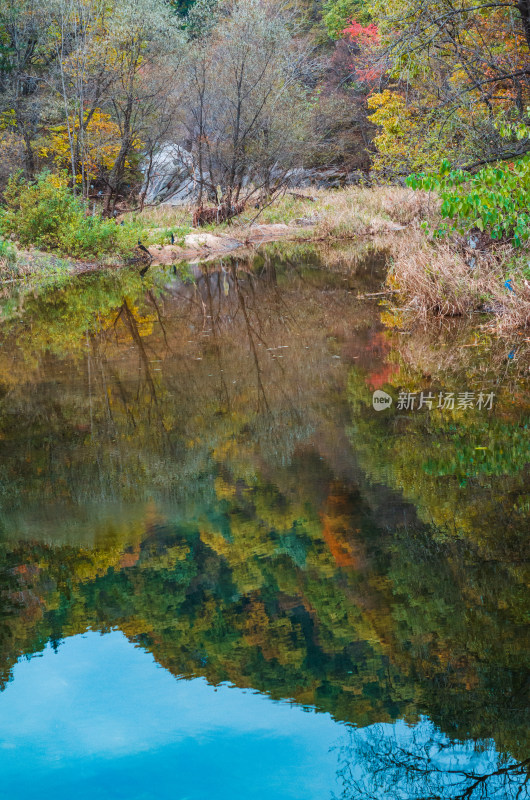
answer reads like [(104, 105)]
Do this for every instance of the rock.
[(354, 178), (298, 178), (325, 178), (210, 241), (306, 222), (173, 179), (207, 247)]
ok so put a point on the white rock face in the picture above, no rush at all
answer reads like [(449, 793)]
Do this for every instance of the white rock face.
[(210, 241), (173, 179)]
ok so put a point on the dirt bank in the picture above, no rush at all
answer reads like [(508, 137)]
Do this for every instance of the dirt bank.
[(200, 246)]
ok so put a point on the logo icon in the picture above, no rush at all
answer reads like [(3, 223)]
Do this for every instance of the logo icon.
[(381, 400)]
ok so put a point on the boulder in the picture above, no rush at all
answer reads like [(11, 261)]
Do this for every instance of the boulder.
[(322, 178), (173, 178), (210, 241)]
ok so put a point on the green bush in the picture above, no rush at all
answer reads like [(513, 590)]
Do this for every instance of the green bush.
[(495, 199), (8, 254), (46, 213), (162, 236), (337, 14)]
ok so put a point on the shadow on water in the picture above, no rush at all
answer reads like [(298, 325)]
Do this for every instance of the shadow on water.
[(197, 463)]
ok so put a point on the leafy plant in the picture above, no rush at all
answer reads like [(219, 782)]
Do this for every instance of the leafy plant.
[(495, 199), (338, 13), (101, 145), (46, 213), (162, 236), (8, 254)]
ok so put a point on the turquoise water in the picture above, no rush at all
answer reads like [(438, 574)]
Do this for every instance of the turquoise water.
[(223, 574), (101, 719)]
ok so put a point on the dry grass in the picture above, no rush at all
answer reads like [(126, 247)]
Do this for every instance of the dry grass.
[(166, 217), (434, 278), (437, 279), (342, 213), (354, 211), (383, 209), (14, 270), (515, 313), (443, 279)]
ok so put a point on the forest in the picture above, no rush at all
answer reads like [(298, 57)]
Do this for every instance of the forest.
[(138, 121), (225, 227)]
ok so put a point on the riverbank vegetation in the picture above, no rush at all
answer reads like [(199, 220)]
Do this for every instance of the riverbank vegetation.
[(255, 110)]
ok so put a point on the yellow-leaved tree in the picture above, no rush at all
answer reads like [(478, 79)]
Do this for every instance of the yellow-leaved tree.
[(98, 146)]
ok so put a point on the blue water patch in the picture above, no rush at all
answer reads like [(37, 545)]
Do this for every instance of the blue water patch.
[(100, 719)]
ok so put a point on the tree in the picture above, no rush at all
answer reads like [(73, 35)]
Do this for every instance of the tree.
[(87, 85), (245, 111), (455, 70), (25, 56), (339, 13), (147, 48)]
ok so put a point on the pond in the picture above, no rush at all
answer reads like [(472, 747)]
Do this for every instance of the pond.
[(228, 571)]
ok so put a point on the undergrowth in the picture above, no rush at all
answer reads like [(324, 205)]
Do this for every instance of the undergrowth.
[(46, 214)]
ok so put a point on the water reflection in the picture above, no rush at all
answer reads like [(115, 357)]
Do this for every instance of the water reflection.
[(197, 464), (391, 762), (146, 735)]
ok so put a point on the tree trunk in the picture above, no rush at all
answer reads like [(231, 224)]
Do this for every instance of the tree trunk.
[(29, 155), (116, 175), (523, 6)]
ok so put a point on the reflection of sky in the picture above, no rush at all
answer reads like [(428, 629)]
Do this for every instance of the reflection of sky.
[(437, 766), (101, 721)]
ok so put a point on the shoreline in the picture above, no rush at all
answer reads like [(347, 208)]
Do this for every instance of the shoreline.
[(430, 278)]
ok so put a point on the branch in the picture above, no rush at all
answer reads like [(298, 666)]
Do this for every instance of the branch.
[(493, 159)]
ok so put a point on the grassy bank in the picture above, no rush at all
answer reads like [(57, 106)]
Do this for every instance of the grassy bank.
[(344, 213), (451, 278), (430, 277), (454, 276)]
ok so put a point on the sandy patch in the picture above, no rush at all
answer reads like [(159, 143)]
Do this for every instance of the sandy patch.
[(198, 245)]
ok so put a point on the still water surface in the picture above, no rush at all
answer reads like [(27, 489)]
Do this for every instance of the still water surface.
[(223, 574)]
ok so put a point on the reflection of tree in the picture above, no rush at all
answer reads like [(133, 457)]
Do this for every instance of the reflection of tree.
[(111, 391), (289, 587), (252, 336), (458, 468), (243, 549), (400, 763)]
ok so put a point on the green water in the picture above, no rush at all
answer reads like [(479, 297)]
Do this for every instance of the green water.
[(194, 468)]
